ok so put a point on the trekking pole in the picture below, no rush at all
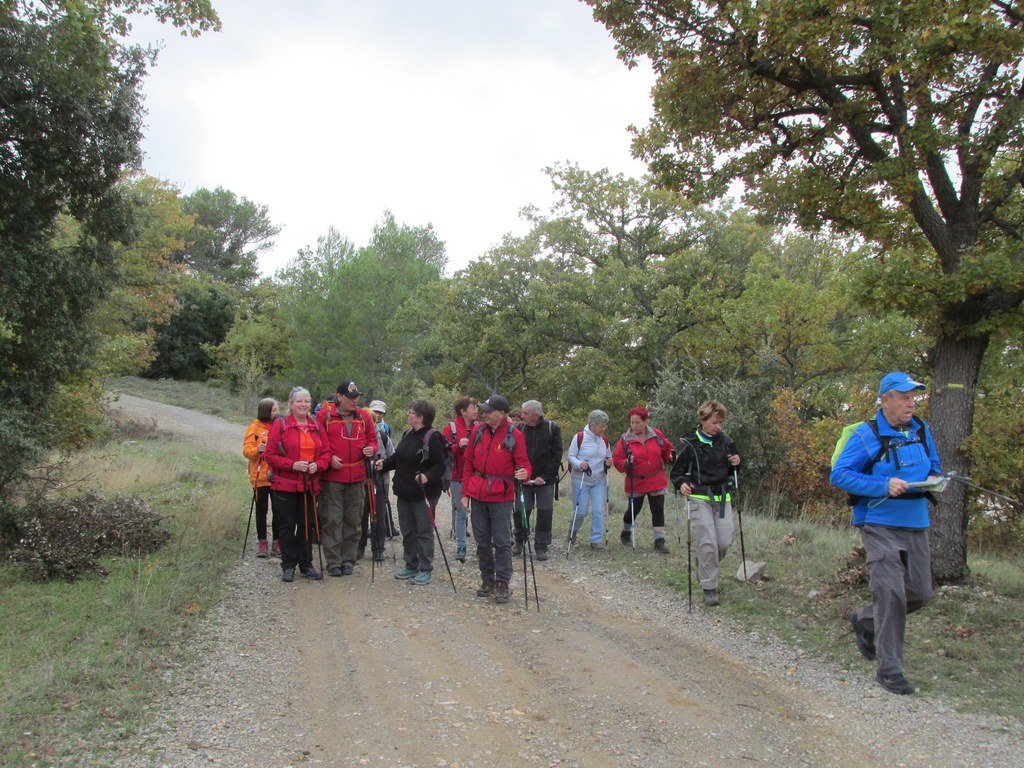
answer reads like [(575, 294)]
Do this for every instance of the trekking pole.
[(372, 498), (679, 521), (316, 525), (305, 519), (391, 527), (632, 499), (575, 512), (527, 548), (689, 561), (967, 481), (440, 544), (739, 518), (248, 525)]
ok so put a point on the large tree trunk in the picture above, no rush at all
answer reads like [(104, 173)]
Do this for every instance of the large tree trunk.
[(956, 363)]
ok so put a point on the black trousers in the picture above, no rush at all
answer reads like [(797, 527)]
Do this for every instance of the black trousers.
[(297, 527)]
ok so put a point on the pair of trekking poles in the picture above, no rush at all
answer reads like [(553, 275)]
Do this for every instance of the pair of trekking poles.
[(679, 525), (689, 540)]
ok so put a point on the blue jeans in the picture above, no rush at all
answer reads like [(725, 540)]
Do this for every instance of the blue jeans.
[(459, 514), (589, 500)]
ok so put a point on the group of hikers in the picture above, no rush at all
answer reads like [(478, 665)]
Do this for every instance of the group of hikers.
[(327, 474)]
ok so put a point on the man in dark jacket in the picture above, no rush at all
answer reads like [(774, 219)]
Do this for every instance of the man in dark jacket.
[(544, 447)]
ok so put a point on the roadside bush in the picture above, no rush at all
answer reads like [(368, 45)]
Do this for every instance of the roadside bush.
[(57, 538)]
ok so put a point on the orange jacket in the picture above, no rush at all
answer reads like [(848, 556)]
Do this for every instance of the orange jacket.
[(255, 436), (346, 438)]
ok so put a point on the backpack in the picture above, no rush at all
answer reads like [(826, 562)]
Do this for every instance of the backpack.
[(509, 440), (883, 448), (446, 477)]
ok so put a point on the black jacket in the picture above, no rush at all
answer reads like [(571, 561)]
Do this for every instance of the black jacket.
[(544, 448), (408, 460), (701, 465)]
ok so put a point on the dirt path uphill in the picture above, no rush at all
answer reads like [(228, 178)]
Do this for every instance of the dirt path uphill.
[(367, 670)]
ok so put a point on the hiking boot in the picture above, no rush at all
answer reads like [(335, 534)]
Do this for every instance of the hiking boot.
[(288, 574), (406, 573), (865, 640), (486, 587), (313, 574), (422, 578), (346, 569), (334, 570), (275, 548), (660, 546), (542, 553), (711, 597), (597, 546), (894, 683), (460, 554), (517, 549), (261, 549), (626, 537), (501, 591)]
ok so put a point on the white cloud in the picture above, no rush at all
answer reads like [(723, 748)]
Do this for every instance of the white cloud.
[(443, 112)]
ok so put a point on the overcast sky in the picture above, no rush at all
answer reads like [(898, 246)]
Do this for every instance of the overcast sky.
[(443, 111)]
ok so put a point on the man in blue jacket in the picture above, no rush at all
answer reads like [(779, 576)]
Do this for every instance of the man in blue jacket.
[(876, 466)]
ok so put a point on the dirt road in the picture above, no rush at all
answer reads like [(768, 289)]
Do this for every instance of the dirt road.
[(610, 672)]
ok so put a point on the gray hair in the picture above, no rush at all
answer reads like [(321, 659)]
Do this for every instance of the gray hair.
[(296, 391), (534, 406), (596, 417)]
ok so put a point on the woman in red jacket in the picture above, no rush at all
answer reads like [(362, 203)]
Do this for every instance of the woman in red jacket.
[(642, 454), (296, 452), (253, 445)]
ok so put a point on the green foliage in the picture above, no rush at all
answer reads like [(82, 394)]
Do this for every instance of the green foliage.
[(70, 121), (898, 122), (337, 304), (226, 237), (141, 291), (205, 311)]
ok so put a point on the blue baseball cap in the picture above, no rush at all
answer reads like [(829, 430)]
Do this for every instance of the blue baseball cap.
[(901, 382)]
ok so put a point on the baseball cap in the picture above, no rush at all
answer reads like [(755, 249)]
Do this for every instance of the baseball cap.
[(349, 389), (901, 382), (494, 403), (378, 406)]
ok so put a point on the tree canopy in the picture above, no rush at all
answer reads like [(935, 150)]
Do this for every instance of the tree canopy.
[(899, 121), (70, 122)]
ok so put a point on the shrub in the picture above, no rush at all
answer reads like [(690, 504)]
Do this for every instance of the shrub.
[(56, 538)]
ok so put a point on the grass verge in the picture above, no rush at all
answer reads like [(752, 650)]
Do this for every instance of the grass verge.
[(964, 645), (82, 662), (197, 396)]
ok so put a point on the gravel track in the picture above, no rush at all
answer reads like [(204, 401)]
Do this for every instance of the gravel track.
[(612, 671)]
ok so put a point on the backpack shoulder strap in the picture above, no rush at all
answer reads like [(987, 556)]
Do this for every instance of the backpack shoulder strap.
[(883, 446)]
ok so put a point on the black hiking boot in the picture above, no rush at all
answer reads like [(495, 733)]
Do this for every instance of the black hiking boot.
[(895, 683), (626, 537), (711, 597), (865, 640), (660, 546), (486, 587)]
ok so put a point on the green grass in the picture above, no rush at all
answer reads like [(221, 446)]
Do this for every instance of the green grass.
[(964, 645), (80, 662), (198, 396)]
